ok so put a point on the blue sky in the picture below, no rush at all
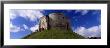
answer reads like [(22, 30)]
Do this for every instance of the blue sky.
[(84, 22)]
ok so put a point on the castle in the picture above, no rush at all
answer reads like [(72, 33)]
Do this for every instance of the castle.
[(54, 20)]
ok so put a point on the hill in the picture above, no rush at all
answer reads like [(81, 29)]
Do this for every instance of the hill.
[(54, 34)]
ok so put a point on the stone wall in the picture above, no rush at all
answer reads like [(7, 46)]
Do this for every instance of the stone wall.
[(58, 20), (54, 20), (43, 24)]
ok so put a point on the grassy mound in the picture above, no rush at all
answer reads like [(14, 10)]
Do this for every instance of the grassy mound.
[(54, 34)]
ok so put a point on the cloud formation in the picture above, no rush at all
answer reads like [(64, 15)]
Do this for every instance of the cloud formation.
[(14, 28), (25, 26), (12, 14), (32, 15), (94, 31), (83, 12), (34, 28), (27, 14)]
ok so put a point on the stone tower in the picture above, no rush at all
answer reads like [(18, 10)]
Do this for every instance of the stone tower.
[(43, 24), (58, 20), (54, 20)]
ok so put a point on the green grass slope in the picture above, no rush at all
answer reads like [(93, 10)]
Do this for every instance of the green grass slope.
[(54, 34)]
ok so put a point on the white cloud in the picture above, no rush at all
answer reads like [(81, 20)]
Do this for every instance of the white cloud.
[(25, 26), (31, 14), (12, 15), (77, 11), (83, 12), (96, 12), (94, 31), (14, 28), (33, 29)]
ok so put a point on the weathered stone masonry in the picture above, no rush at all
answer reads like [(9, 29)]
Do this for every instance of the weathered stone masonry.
[(54, 20)]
